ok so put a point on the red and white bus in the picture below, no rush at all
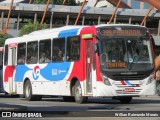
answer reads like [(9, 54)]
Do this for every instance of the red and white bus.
[(78, 62)]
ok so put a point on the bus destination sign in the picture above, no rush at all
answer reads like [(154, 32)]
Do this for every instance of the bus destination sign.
[(116, 65), (123, 31)]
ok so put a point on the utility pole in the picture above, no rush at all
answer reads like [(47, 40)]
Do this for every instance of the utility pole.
[(7, 22), (30, 2), (114, 12), (145, 17), (96, 3), (64, 1), (44, 14), (80, 12)]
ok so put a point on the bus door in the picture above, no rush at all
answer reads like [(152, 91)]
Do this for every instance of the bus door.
[(89, 62), (12, 64)]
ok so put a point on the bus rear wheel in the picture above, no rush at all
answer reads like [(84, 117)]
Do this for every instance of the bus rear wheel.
[(125, 100), (77, 92), (28, 91)]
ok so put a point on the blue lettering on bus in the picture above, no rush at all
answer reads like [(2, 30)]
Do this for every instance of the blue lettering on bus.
[(66, 33)]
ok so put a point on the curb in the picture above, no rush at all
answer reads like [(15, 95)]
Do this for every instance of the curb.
[(6, 107)]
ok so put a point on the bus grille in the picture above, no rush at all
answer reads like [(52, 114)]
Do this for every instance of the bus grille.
[(129, 77)]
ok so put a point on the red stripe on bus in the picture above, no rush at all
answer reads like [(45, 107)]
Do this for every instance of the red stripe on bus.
[(8, 73), (123, 83)]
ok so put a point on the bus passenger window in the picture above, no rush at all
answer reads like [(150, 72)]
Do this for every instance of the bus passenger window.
[(6, 55), (73, 48), (58, 51), (44, 51), (32, 52), (21, 55)]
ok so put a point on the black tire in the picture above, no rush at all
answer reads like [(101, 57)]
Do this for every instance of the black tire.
[(77, 93), (125, 100), (68, 99), (28, 91)]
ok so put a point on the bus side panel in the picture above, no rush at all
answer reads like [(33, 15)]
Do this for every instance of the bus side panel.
[(67, 67), (79, 68)]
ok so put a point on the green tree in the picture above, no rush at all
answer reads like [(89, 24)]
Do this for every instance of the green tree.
[(3, 37), (28, 28), (40, 1), (56, 2)]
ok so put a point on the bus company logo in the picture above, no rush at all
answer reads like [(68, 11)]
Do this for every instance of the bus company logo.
[(126, 82), (36, 72), (61, 71), (54, 72)]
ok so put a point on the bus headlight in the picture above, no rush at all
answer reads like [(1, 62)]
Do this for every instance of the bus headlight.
[(151, 78), (105, 79)]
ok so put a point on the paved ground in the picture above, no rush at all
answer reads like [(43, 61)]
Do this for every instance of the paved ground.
[(96, 108)]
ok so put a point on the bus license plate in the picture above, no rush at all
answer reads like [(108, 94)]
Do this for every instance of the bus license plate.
[(129, 90)]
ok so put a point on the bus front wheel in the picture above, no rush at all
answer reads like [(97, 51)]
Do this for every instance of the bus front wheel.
[(125, 100), (77, 92)]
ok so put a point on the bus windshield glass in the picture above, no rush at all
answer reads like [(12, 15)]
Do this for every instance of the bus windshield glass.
[(125, 53)]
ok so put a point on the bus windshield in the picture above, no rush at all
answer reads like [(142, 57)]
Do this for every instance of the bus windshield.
[(125, 54)]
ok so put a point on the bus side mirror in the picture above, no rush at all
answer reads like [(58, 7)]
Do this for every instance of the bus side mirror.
[(96, 48)]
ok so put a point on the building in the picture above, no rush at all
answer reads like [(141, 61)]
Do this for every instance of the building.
[(135, 4), (60, 15)]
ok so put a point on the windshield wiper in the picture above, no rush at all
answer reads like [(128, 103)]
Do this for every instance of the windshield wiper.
[(131, 63)]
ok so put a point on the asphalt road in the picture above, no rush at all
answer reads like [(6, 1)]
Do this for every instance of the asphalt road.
[(95, 107)]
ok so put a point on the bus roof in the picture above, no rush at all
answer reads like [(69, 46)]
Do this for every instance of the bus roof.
[(46, 33), (54, 30)]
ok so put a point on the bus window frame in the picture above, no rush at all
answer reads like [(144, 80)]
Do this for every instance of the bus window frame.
[(36, 41), (39, 55), (64, 52), (24, 55), (6, 55), (68, 38)]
